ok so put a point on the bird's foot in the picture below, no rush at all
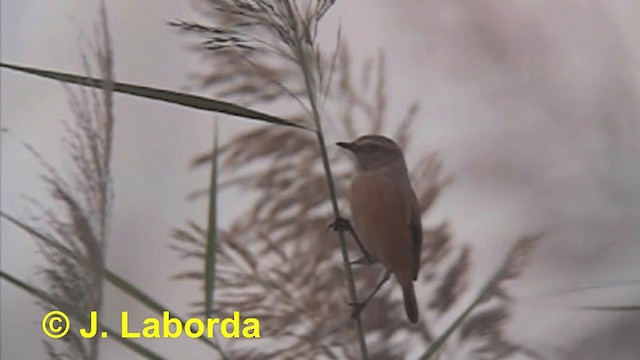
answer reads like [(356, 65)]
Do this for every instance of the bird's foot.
[(356, 308), (340, 224)]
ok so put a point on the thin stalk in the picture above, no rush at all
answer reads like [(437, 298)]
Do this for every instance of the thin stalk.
[(212, 231), (308, 78)]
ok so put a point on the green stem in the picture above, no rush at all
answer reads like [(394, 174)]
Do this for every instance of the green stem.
[(308, 77)]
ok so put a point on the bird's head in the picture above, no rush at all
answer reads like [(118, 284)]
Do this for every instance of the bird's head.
[(374, 152)]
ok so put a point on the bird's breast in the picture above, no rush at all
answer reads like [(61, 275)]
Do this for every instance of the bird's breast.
[(380, 214)]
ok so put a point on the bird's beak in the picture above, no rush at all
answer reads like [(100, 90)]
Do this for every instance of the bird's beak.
[(345, 145)]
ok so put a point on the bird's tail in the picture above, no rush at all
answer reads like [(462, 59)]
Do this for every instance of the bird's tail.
[(410, 304)]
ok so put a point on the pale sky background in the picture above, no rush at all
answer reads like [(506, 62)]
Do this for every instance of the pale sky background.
[(541, 146)]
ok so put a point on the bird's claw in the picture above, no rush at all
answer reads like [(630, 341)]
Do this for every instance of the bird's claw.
[(340, 224), (356, 308)]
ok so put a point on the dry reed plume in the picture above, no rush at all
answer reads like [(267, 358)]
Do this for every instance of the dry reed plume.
[(71, 233), (277, 261)]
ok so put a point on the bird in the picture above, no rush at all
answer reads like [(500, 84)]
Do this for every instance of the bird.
[(385, 214)]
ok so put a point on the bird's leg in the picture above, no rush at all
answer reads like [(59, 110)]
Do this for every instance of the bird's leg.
[(359, 306), (363, 260), (342, 224)]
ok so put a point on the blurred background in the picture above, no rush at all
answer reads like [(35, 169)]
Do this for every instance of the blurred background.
[(533, 107)]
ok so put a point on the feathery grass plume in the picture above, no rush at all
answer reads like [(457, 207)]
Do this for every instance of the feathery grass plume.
[(484, 328), (277, 261), (282, 239), (480, 327), (79, 216)]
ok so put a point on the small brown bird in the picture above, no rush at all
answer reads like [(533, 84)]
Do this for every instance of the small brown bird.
[(385, 213)]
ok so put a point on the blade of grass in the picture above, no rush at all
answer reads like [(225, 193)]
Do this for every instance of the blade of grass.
[(604, 285), (40, 294), (212, 231), (33, 232), (193, 101), (620, 308), (114, 280)]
